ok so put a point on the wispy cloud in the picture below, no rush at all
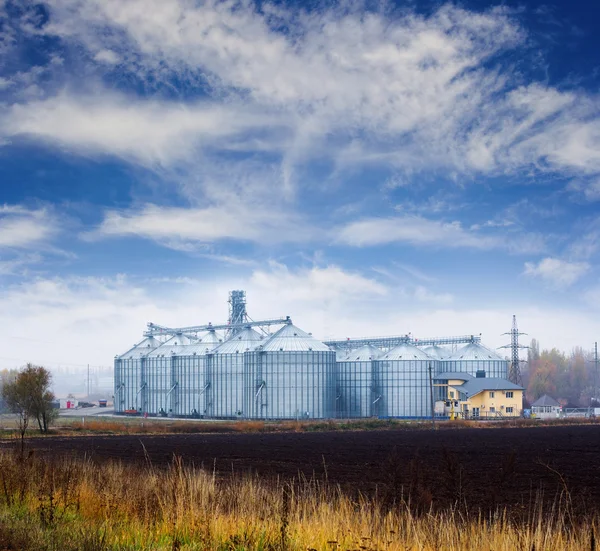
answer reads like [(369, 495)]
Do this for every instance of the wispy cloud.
[(177, 227), (22, 228), (417, 230), (316, 284), (148, 132), (556, 272), (413, 92)]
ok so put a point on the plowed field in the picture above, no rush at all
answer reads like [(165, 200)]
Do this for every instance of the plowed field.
[(480, 467)]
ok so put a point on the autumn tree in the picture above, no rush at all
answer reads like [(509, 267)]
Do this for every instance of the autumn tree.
[(542, 380), (28, 395)]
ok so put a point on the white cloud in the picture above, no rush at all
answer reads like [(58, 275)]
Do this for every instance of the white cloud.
[(590, 190), (412, 92), (175, 227), (316, 284), (416, 230), (107, 56), (74, 320), (145, 131), (556, 272), (21, 228), (423, 294), (19, 264)]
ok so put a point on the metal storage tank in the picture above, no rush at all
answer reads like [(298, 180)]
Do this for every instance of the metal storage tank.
[(401, 382), (475, 357), (158, 378), (226, 374), (191, 376), (342, 354), (437, 352), (128, 375), (290, 376), (354, 382)]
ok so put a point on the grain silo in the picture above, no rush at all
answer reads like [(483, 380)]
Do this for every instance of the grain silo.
[(192, 395), (402, 382), (226, 374), (158, 377), (354, 382), (437, 352), (290, 376), (474, 358), (128, 375)]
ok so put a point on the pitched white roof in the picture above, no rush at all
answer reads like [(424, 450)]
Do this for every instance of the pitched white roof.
[(141, 349), (363, 354), (247, 339), (405, 351), (171, 346), (437, 352), (292, 339), (475, 351)]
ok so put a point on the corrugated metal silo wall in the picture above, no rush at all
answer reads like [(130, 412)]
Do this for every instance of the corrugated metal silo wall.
[(402, 388), (289, 385), (354, 388), (492, 368), (159, 381), (191, 394), (128, 381), (119, 401), (226, 373)]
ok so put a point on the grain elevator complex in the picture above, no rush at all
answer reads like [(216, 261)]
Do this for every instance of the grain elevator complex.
[(271, 369)]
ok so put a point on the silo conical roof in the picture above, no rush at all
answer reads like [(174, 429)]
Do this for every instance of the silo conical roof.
[(210, 339), (363, 354), (172, 345), (203, 344), (475, 351), (341, 355), (292, 339), (405, 351), (246, 339), (141, 349), (436, 352)]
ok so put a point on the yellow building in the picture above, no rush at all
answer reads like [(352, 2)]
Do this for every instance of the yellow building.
[(471, 397)]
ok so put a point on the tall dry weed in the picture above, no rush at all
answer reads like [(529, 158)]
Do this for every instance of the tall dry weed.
[(76, 504)]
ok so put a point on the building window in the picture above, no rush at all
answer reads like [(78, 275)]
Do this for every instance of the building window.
[(492, 409), (509, 393), (509, 410), (451, 394), (491, 394)]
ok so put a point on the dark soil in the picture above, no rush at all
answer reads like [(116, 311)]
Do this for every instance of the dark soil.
[(479, 468)]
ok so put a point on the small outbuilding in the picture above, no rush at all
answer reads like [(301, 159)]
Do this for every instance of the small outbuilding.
[(545, 407)]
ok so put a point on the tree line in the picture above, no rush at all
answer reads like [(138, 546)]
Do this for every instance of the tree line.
[(569, 378)]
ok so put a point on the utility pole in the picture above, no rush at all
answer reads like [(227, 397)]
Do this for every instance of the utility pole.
[(431, 395)]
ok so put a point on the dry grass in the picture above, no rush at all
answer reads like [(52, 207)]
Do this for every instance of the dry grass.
[(76, 504), (69, 426)]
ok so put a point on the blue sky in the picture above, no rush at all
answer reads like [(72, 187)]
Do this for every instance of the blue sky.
[(368, 169)]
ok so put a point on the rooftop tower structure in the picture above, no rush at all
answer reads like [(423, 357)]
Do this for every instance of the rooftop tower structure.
[(237, 310)]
